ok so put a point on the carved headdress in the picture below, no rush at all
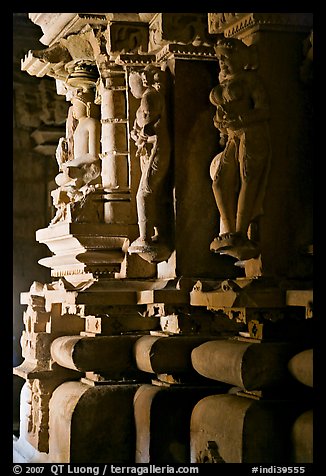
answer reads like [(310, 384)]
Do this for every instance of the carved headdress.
[(238, 47), (153, 76)]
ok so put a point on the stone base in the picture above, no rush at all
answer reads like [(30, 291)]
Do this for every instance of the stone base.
[(24, 452), (162, 416), (302, 438), (92, 424), (233, 429)]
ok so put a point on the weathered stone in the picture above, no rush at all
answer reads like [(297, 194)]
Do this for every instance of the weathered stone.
[(301, 297), (302, 438), (162, 417), (166, 296), (116, 325), (81, 433), (238, 293), (120, 144), (252, 366), (232, 429), (239, 23), (201, 322), (301, 367), (108, 355), (34, 402), (155, 354)]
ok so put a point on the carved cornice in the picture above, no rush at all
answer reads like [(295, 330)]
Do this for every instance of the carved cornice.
[(62, 59), (172, 50), (38, 66), (232, 24), (135, 59)]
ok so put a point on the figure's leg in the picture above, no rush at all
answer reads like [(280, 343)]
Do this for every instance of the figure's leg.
[(143, 200), (252, 163), (252, 171), (225, 188)]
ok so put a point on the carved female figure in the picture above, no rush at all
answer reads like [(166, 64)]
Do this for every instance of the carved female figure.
[(239, 172), (151, 137), (77, 155)]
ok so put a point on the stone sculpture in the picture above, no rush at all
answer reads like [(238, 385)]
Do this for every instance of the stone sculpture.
[(150, 133), (78, 157), (240, 171)]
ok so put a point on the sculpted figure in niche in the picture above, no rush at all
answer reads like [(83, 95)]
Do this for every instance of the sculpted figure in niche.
[(78, 157), (240, 171), (150, 133)]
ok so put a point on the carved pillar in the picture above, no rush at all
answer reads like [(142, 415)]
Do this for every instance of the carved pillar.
[(115, 154), (106, 285)]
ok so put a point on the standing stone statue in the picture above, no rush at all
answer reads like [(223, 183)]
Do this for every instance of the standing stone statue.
[(150, 133), (240, 171), (77, 155)]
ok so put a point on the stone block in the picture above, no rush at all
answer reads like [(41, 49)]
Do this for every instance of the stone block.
[(162, 417), (36, 346), (301, 297), (109, 355), (241, 292), (34, 403), (233, 429), (301, 367), (164, 355), (92, 424), (116, 325), (166, 296), (302, 438), (252, 366), (201, 322), (35, 320)]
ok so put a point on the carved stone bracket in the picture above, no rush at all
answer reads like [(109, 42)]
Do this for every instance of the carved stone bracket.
[(58, 25)]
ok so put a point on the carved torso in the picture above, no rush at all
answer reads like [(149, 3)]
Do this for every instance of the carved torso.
[(232, 96), (84, 143), (150, 111)]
